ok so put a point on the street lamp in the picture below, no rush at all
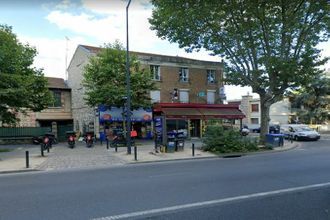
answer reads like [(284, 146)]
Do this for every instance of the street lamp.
[(128, 88)]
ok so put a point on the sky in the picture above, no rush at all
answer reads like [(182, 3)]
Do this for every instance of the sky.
[(57, 27)]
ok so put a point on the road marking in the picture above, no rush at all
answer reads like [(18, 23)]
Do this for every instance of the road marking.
[(211, 202)]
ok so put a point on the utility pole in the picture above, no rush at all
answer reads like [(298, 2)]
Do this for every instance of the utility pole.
[(128, 88)]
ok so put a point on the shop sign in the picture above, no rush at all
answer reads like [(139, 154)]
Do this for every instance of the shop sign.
[(201, 94), (113, 114)]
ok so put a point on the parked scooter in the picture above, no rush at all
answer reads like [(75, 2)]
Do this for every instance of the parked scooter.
[(47, 141), (89, 139), (71, 135)]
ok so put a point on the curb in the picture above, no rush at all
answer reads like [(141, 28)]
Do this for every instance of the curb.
[(18, 171), (230, 155)]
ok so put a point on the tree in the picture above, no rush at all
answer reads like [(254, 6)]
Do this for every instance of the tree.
[(22, 87), (269, 45), (312, 101), (105, 79)]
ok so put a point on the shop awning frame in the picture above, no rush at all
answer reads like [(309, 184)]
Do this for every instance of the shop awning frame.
[(198, 111)]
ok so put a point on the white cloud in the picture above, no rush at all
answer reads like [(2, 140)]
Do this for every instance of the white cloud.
[(111, 24), (52, 53)]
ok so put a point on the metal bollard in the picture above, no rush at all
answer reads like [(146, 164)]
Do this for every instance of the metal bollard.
[(135, 152), (193, 149), (107, 143), (42, 150), (116, 148), (48, 149), (27, 159)]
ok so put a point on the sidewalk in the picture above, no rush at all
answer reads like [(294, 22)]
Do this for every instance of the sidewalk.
[(14, 160), (61, 157)]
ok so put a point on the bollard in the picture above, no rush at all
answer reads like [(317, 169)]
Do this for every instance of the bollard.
[(116, 148), (48, 149), (193, 149), (42, 150), (135, 152), (107, 143), (27, 159)]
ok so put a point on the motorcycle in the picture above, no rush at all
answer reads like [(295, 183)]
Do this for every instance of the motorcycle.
[(47, 141), (89, 140), (71, 138), (71, 141)]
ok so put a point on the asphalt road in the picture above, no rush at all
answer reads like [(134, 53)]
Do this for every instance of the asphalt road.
[(285, 185)]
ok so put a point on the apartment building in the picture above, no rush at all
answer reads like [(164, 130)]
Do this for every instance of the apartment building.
[(186, 85), (279, 112)]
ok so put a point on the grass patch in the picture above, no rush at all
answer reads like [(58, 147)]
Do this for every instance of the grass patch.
[(4, 150)]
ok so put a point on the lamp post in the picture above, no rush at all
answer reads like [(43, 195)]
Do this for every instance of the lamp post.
[(128, 88)]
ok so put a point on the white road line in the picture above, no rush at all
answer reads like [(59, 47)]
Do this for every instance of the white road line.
[(211, 202)]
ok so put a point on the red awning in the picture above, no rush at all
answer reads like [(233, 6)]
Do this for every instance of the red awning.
[(203, 113), (182, 113), (231, 113)]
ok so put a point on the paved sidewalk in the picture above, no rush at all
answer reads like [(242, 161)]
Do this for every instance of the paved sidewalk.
[(61, 157), (14, 161)]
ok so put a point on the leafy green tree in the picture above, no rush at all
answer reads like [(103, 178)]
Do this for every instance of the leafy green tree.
[(22, 87), (269, 45), (105, 79), (313, 101)]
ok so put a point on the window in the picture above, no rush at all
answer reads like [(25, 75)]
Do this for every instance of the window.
[(155, 71), (210, 96), (57, 102), (155, 96), (210, 76), (255, 107), (254, 120), (184, 96), (184, 74)]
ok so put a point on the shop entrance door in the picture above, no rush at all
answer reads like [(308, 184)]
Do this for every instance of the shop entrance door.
[(195, 128)]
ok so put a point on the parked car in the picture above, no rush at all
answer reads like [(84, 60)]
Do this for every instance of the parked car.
[(273, 129), (300, 132)]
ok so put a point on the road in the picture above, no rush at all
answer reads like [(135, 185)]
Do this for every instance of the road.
[(286, 185)]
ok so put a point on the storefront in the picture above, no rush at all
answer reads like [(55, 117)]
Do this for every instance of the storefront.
[(191, 119), (112, 118)]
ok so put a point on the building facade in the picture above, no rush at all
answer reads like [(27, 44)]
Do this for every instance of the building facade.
[(57, 115), (279, 113), (178, 81)]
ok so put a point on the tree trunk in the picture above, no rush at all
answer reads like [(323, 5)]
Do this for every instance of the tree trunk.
[(265, 106)]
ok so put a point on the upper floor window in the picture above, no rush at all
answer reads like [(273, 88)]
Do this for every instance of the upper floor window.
[(210, 76), (183, 74), (155, 71), (155, 96), (184, 96), (254, 120), (57, 102), (210, 96), (255, 107)]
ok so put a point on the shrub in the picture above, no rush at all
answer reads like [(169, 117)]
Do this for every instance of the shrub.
[(223, 140)]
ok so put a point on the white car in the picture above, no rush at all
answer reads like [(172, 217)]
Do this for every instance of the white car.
[(300, 132)]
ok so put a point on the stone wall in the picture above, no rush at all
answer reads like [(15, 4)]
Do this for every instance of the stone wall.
[(81, 113)]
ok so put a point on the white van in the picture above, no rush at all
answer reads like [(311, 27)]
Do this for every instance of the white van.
[(299, 132)]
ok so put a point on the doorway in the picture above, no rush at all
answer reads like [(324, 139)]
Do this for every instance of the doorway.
[(195, 125)]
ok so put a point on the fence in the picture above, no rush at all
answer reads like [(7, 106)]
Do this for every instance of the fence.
[(23, 131)]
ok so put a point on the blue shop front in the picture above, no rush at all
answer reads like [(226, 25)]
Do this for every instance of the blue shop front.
[(112, 119)]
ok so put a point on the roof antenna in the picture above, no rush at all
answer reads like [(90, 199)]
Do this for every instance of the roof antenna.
[(66, 58)]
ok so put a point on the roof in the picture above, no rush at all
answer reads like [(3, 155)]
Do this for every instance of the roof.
[(151, 56), (56, 83)]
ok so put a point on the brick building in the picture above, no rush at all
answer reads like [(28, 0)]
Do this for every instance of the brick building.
[(179, 81)]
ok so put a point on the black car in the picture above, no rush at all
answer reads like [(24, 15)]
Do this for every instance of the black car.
[(273, 129)]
